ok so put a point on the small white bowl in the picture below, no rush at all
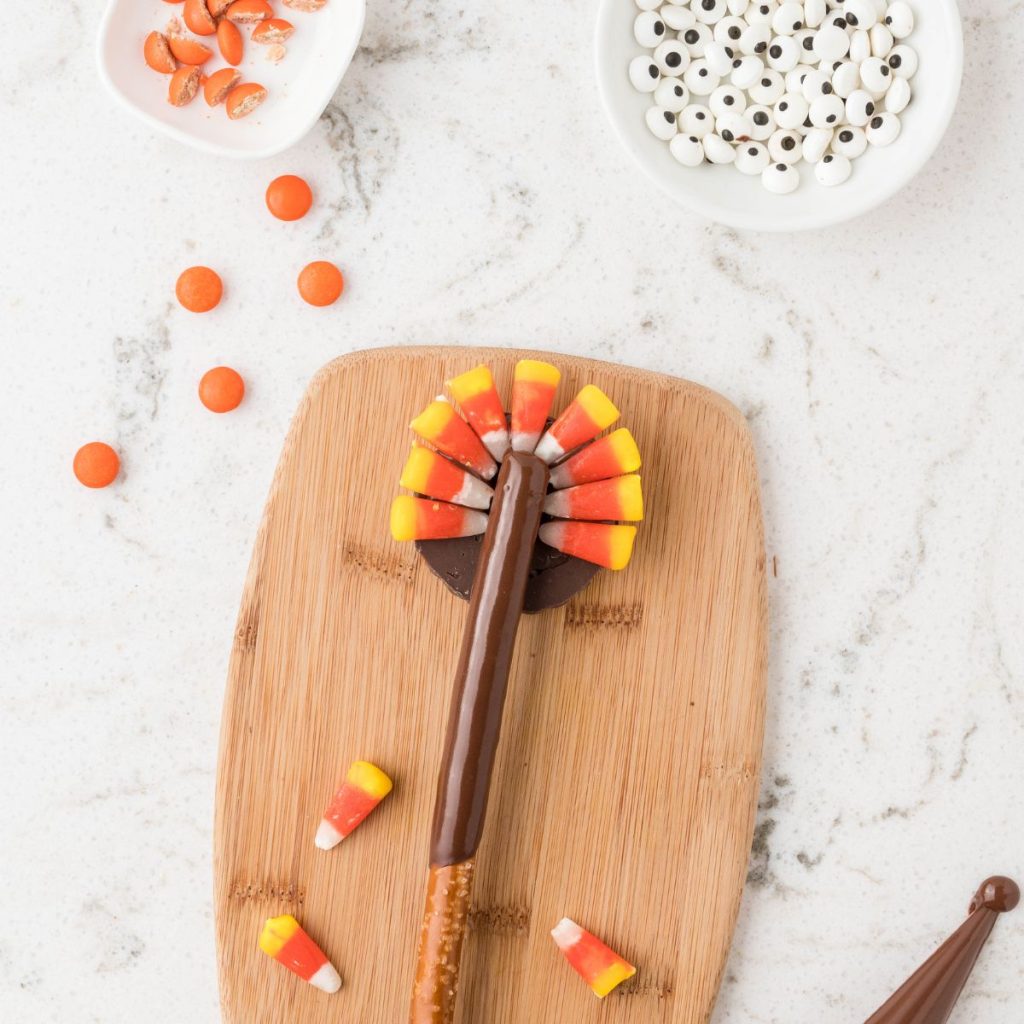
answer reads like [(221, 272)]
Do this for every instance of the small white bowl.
[(722, 194), (299, 87)]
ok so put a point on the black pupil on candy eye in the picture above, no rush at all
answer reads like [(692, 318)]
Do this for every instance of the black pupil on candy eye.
[(700, 115), (783, 106), (831, 118), (809, 43), (752, 151), (728, 100), (673, 60), (669, 116), (761, 118), (692, 36), (734, 33), (760, 47), (870, 108), (727, 135), (828, 159), (851, 19), (876, 122), (659, 28), (678, 90), (788, 143), (693, 138), (775, 51), (797, 26), (780, 167), (895, 60), (708, 5), (827, 88), (765, 9), (737, 62), (728, 51), (766, 82), (653, 71), (703, 72), (840, 23), (846, 136)]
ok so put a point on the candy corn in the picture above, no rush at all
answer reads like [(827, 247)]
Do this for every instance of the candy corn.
[(423, 519), (476, 394), (608, 546), (601, 968), (283, 939), (590, 412), (433, 475), (533, 391), (607, 457), (364, 787), (449, 433), (620, 498)]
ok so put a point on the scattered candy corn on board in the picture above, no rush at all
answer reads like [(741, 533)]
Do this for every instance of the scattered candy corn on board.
[(627, 773)]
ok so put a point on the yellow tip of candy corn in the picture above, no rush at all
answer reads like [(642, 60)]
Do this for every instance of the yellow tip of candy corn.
[(276, 932), (625, 448), (610, 978), (620, 546), (432, 421), (403, 517), (598, 406), (632, 498), (534, 371), (370, 779), (471, 383), (417, 469)]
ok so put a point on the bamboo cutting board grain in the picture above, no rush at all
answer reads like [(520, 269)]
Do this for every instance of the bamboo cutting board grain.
[(627, 774)]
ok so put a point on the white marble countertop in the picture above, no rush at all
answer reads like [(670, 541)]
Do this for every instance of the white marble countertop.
[(471, 189)]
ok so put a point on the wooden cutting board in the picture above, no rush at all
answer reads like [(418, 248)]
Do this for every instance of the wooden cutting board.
[(627, 775)]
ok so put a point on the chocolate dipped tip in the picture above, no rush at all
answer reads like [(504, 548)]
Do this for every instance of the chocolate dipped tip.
[(997, 893)]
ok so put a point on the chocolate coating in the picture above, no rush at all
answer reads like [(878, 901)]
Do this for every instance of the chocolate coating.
[(930, 993), (554, 577), (481, 679)]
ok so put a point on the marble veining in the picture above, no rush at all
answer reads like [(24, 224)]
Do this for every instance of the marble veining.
[(470, 188)]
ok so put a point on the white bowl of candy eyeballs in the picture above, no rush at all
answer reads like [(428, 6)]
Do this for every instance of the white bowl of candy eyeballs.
[(780, 115)]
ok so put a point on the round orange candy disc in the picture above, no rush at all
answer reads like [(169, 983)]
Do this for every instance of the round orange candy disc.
[(96, 464), (321, 283), (289, 197), (199, 289), (221, 389)]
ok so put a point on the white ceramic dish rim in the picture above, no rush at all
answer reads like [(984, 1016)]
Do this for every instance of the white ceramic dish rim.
[(279, 146), (798, 220)]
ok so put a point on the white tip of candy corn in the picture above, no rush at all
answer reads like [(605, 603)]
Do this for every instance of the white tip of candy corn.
[(566, 933), (327, 979), (327, 836), (524, 442), (474, 493), (548, 449), (496, 442)]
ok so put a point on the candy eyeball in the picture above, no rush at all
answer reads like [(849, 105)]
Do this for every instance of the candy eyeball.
[(746, 71), (860, 105), (850, 142), (696, 39), (899, 19), (833, 169), (815, 84), (903, 61), (727, 99), (831, 43), (696, 119), (648, 29), (835, 17), (671, 57), (761, 13), (717, 150), (804, 40), (789, 18), (883, 129), (786, 147), (729, 31), (752, 158), (881, 40), (770, 87), (661, 122), (780, 178), (679, 19), (816, 143), (860, 14), (783, 54), (755, 40), (737, 8), (827, 112), (687, 149), (860, 47), (791, 110), (700, 79), (795, 78), (709, 11), (898, 96), (644, 74), (845, 79), (814, 12), (875, 76), (733, 127), (719, 58), (762, 123), (671, 94)]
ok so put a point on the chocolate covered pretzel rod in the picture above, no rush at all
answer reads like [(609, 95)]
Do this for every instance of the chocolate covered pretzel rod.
[(474, 725)]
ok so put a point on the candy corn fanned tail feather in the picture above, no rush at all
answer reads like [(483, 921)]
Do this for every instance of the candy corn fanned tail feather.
[(364, 787), (284, 940), (595, 492), (600, 967)]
